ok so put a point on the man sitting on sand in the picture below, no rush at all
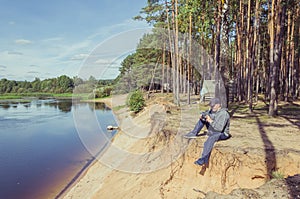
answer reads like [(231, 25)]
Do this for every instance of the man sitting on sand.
[(217, 121)]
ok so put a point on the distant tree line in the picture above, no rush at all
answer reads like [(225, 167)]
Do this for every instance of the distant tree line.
[(61, 84)]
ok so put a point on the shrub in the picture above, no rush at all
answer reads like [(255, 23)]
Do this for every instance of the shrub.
[(91, 96), (136, 101), (103, 92), (277, 175)]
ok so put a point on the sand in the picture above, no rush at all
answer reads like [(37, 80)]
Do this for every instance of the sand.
[(135, 165)]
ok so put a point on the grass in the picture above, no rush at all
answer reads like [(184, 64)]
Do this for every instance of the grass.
[(4, 97), (24, 95), (69, 95), (40, 95), (277, 175)]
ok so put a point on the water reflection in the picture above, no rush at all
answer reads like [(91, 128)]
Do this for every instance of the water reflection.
[(100, 106), (5, 105), (62, 105)]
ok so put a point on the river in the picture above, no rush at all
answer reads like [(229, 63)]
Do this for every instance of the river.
[(41, 145)]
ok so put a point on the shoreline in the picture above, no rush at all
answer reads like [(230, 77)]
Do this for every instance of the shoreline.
[(81, 174), (76, 178), (118, 101), (111, 102)]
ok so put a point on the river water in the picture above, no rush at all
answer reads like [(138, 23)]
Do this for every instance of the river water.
[(41, 145)]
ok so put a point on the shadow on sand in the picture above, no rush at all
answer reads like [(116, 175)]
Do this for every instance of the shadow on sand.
[(291, 113), (270, 154)]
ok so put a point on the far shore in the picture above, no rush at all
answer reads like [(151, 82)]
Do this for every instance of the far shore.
[(20, 96)]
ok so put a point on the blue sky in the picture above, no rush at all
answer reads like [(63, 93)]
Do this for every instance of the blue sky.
[(45, 39)]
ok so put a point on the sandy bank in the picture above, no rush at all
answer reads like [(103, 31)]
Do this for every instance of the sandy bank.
[(149, 158)]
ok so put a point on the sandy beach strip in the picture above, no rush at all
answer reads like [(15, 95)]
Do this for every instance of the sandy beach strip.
[(89, 180)]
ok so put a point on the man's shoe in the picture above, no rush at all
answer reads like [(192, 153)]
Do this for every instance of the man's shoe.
[(190, 135), (199, 162)]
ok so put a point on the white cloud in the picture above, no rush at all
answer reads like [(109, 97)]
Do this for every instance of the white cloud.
[(14, 53), (72, 51), (23, 41), (33, 72), (79, 57), (103, 61), (52, 39), (60, 54), (128, 24)]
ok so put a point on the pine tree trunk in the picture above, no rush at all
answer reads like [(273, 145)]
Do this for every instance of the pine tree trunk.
[(189, 60), (296, 57), (249, 55), (163, 67), (217, 49), (177, 63), (288, 60), (256, 48), (279, 30), (273, 95)]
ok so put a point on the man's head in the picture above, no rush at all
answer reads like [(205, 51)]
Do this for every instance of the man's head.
[(215, 104)]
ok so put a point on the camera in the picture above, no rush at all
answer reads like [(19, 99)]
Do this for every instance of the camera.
[(204, 114)]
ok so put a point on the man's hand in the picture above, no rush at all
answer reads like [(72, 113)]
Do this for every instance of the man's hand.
[(208, 119)]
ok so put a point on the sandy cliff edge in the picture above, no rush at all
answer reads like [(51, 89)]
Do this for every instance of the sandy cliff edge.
[(236, 163)]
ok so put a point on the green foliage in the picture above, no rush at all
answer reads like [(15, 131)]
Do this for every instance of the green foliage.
[(136, 101), (64, 84), (61, 84), (142, 67), (277, 175), (103, 92), (91, 96), (83, 88)]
